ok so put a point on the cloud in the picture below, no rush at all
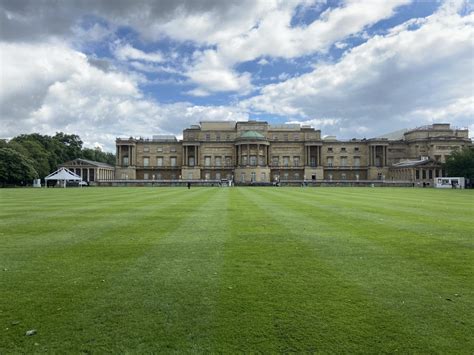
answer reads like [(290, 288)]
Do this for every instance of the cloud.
[(272, 35), (127, 52), (51, 87), (407, 77)]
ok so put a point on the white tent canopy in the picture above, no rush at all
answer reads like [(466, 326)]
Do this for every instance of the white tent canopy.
[(63, 175)]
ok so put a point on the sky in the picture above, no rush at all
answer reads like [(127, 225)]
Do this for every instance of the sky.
[(118, 68)]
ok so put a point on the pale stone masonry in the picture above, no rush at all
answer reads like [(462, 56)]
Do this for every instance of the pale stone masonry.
[(258, 152)]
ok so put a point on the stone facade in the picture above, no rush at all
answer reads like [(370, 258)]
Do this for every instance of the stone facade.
[(258, 152)]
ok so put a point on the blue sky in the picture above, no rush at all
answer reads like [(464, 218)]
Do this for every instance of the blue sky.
[(136, 68)]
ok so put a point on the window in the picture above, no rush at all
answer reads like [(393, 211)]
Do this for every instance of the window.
[(285, 136), (191, 161), (329, 149), (228, 161), (343, 149), (125, 160), (343, 161), (208, 136), (329, 161), (275, 137), (159, 161), (242, 177), (297, 176), (263, 177), (244, 160), (173, 161), (159, 149), (146, 161), (227, 137), (430, 173), (417, 174), (275, 161), (286, 161), (207, 176), (207, 161), (218, 137), (173, 149), (190, 175), (218, 176), (158, 176), (424, 174), (296, 161), (261, 161), (356, 149), (253, 176), (296, 137), (343, 176), (145, 176), (285, 176), (253, 160), (218, 161), (146, 149), (356, 161)]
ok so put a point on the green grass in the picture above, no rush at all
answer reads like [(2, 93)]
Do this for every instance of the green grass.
[(342, 270)]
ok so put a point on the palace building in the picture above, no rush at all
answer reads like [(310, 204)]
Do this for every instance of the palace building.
[(259, 152)]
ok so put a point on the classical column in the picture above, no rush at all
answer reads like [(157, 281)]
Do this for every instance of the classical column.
[(248, 154), (258, 155)]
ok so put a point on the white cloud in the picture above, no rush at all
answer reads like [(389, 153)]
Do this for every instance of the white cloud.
[(58, 89), (127, 52), (389, 81), (272, 35)]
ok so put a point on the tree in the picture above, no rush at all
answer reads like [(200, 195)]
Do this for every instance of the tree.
[(461, 163), (15, 168)]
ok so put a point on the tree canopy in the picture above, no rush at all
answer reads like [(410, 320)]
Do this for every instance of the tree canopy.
[(43, 154), (461, 163), (15, 168)]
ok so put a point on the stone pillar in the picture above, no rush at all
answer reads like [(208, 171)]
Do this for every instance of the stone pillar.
[(258, 154), (248, 154)]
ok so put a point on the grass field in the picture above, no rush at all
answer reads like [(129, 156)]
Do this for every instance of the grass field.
[(139, 270)]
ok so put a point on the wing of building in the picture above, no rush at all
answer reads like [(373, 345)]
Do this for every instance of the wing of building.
[(90, 171), (259, 152)]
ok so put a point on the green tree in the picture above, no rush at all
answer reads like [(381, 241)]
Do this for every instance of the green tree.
[(461, 163), (71, 145), (15, 168)]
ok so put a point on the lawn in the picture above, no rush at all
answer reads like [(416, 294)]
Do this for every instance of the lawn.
[(342, 270)]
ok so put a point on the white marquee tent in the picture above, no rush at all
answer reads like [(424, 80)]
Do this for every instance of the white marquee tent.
[(62, 175)]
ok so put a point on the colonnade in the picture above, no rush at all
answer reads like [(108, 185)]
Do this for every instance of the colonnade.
[(313, 151), (239, 153), (130, 154), (94, 174), (373, 155), (187, 155)]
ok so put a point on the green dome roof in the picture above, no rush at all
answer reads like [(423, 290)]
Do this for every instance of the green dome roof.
[(252, 135)]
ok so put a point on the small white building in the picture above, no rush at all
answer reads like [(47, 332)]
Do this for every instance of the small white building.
[(450, 183)]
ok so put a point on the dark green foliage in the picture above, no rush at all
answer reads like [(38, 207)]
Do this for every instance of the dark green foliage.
[(98, 155), (237, 270), (15, 168), (461, 163), (45, 153)]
